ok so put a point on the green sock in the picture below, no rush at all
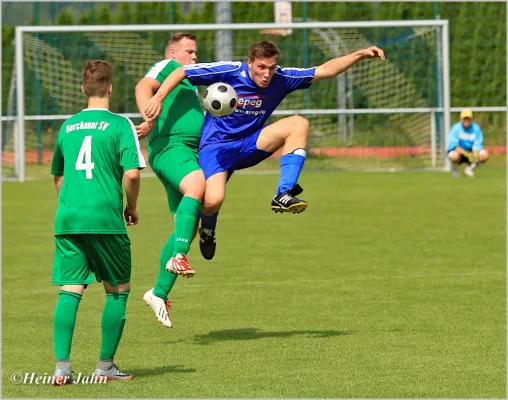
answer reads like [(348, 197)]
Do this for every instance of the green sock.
[(165, 280), (113, 321), (64, 322), (185, 222)]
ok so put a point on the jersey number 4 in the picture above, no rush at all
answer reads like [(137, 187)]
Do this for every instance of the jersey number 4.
[(84, 161)]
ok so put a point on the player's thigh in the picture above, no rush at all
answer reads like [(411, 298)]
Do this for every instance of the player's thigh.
[(70, 265), (121, 287), (174, 164), (273, 136), (110, 257), (193, 185), (177, 165)]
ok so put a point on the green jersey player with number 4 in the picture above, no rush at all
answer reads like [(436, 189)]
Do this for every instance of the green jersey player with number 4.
[(173, 144), (94, 150)]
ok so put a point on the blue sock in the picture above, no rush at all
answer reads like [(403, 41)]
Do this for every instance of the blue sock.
[(290, 167), (208, 221)]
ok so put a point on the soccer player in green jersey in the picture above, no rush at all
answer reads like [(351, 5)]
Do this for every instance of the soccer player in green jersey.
[(173, 155), (94, 150)]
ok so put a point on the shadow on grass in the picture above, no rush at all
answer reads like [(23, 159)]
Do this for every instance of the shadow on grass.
[(167, 369), (254, 333)]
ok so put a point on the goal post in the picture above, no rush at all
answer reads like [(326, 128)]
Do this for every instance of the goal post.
[(376, 116)]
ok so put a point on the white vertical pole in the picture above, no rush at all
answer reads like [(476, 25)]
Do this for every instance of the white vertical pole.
[(19, 134), (341, 100), (506, 142), (223, 38), (446, 89), (1, 161), (433, 137)]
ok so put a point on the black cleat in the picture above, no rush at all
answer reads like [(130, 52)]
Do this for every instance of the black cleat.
[(207, 243), (288, 202)]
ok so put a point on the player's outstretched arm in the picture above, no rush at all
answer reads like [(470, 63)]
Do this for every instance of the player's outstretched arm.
[(144, 91), (154, 106), (132, 182), (337, 66)]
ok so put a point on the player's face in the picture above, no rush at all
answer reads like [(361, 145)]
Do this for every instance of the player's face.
[(184, 52), (262, 70), (466, 122)]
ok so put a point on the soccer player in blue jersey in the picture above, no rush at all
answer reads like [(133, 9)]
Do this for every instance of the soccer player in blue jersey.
[(242, 140), (465, 144)]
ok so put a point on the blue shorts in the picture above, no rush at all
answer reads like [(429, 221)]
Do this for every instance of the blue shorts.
[(230, 156)]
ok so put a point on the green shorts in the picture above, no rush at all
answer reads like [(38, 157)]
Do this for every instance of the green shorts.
[(171, 166), (80, 257)]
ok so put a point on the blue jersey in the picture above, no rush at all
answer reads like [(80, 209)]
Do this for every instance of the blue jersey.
[(255, 104), (470, 139)]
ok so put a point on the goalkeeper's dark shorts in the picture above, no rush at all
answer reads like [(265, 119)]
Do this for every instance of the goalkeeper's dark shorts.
[(463, 158)]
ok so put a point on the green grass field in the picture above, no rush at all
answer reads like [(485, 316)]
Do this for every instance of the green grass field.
[(389, 285)]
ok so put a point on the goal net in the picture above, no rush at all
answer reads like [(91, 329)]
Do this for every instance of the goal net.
[(377, 115)]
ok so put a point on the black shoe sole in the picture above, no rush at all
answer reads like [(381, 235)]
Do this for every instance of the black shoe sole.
[(294, 208)]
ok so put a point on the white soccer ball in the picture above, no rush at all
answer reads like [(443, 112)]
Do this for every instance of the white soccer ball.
[(220, 99)]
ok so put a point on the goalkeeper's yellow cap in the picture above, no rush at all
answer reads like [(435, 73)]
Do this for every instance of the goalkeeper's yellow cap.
[(467, 113)]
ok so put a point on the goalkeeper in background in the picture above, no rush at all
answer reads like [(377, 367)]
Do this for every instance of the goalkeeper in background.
[(95, 149), (173, 155), (466, 144)]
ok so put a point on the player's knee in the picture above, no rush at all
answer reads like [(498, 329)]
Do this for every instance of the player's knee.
[(121, 287), (213, 201), (300, 125), (454, 156), (484, 155)]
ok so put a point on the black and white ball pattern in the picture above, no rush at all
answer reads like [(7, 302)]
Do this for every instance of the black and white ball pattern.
[(220, 99)]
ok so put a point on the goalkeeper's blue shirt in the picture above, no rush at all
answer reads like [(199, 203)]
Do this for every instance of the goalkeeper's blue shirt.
[(255, 105), (470, 139)]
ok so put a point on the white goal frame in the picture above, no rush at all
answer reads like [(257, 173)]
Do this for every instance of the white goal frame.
[(19, 136)]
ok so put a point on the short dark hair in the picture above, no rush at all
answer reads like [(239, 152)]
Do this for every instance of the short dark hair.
[(97, 76), (176, 37), (264, 49)]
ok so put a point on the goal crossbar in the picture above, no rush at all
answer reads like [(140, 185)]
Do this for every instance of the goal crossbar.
[(233, 26)]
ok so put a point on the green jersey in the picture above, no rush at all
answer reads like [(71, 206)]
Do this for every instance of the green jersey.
[(93, 150), (182, 116)]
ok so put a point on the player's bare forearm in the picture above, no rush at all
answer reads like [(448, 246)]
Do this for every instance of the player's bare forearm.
[(144, 129), (145, 89), (58, 179), (337, 66), (132, 182)]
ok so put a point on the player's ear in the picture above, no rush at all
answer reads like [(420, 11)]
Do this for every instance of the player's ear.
[(110, 89), (82, 89)]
